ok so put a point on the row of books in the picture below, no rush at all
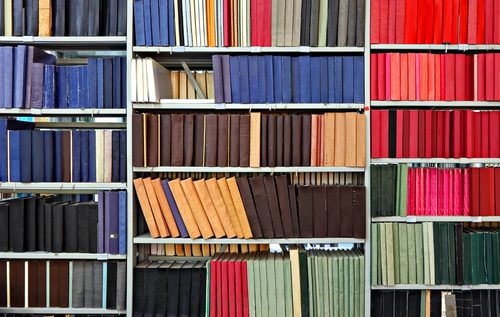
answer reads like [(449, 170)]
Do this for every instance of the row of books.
[(434, 254), (249, 23), (428, 76), (258, 139), (435, 22), (183, 88), (403, 191), (52, 224), (288, 79), (63, 155), (435, 133), (170, 288), (63, 18), (256, 207), (199, 249), (62, 283)]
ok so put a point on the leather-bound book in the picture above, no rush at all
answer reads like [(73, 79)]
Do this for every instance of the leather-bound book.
[(333, 210), (296, 139), (272, 201), (272, 143), (359, 211), (234, 140), (248, 203), (3, 283), (17, 285), (4, 227), (152, 139), (16, 220), (165, 146), (58, 228), (222, 140), (71, 228), (188, 139), (305, 205), (262, 207), (279, 139), (329, 145), (319, 210), (306, 140), (199, 139), (66, 156), (177, 140), (346, 211), (292, 197), (211, 140), (284, 205), (287, 140), (220, 207), (244, 142)]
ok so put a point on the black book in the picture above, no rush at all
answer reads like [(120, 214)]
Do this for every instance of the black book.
[(304, 26), (181, 30), (392, 133), (351, 23), (413, 304), (103, 19), (375, 190), (160, 302), (48, 227), (17, 17), (94, 15), (59, 17), (30, 224), (149, 296), (185, 290), (37, 165), (92, 210), (122, 19), (173, 285), (16, 225), (401, 300), (111, 283), (195, 294), (71, 17), (31, 17), (57, 227), (115, 173), (2, 22), (333, 15), (4, 227), (202, 291), (83, 241), (313, 30), (40, 224), (360, 23), (377, 303), (476, 303), (81, 19), (71, 228), (25, 161), (112, 17), (388, 303), (139, 287)]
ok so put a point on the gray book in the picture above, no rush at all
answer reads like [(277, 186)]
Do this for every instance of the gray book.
[(333, 15), (78, 282), (351, 23), (313, 33), (342, 27), (97, 292), (360, 23), (289, 8), (89, 284), (121, 284), (280, 32), (274, 23), (323, 22), (297, 9)]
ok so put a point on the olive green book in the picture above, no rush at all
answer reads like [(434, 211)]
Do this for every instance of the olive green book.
[(251, 284), (403, 253), (326, 283), (432, 265), (260, 287), (312, 283), (323, 22), (280, 284), (395, 234), (403, 190), (412, 253), (383, 253), (419, 247), (271, 284), (427, 273), (375, 273), (342, 285), (287, 278), (352, 284), (336, 284), (390, 253)]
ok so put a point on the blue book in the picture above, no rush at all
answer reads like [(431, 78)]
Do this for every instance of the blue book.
[(104, 284), (164, 22), (123, 156), (147, 23), (37, 164), (175, 211), (49, 86), (58, 156), (234, 65), (253, 72), (261, 61), (278, 85), (108, 82), (3, 150), (315, 81), (155, 22), (117, 81), (84, 155), (61, 87), (331, 79), (305, 76), (115, 156), (295, 80), (48, 156), (21, 52), (84, 92), (111, 226), (100, 83), (359, 80), (140, 37), (2, 69), (338, 79), (347, 79), (244, 82), (171, 23), (92, 82), (92, 158), (73, 87), (8, 75), (226, 78), (286, 78), (269, 79), (15, 155), (25, 155), (76, 156), (323, 74), (122, 226)]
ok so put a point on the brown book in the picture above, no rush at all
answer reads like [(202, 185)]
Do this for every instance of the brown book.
[(165, 128), (184, 208), (340, 140), (272, 143), (196, 250), (292, 195), (152, 139), (306, 140), (137, 140), (350, 138), (360, 140), (220, 207), (66, 156), (280, 139), (314, 140), (321, 140), (296, 139), (188, 139), (320, 223), (264, 139), (191, 93), (16, 291), (3, 283), (165, 208), (54, 283), (346, 211), (145, 138), (333, 210), (287, 140), (142, 196), (274, 208), (254, 139), (174, 77), (222, 140), (329, 139), (244, 140), (108, 155), (44, 18), (63, 281), (199, 139), (177, 140), (211, 139), (209, 207), (231, 209), (359, 211), (305, 203), (234, 140), (262, 207), (248, 203), (161, 224), (240, 208), (197, 208), (284, 205)]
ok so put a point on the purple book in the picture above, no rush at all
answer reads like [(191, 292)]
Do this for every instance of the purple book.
[(100, 222), (111, 229), (218, 81), (226, 78), (175, 210), (122, 237)]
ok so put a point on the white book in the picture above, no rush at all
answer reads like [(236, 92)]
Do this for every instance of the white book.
[(99, 156), (139, 80), (203, 20), (133, 74), (220, 22), (159, 82), (108, 155), (185, 22), (145, 82), (176, 17)]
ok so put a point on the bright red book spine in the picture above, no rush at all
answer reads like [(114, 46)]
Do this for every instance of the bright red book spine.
[(384, 21), (469, 134), (406, 133), (458, 192), (469, 77), (433, 184), (449, 77), (497, 76), (447, 134), (496, 23), (224, 289), (388, 78), (437, 76), (227, 23), (489, 21), (400, 21), (497, 191), (373, 76), (487, 192), (446, 192), (267, 39), (421, 133), (457, 136), (454, 22), (472, 25), (464, 14), (231, 278), (428, 133), (443, 76), (451, 187), (403, 59), (431, 84), (381, 78), (417, 76), (427, 188), (421, 20), (244, 285), (481, 77), (399, 133), (438, 22), (477, 139), (494, 134), (474, 191), (384, 133), (413, 147), (434, 133), (411, 22), (213, 288), (375, 22), (411, 192), (485, 134), (418, 191), (392, 21), (466, 191), (395, 77), (425, 28), (375, 134), (480, 22), (440, 202), (460, 85), (254, 24), (447, 20), (412, 76)]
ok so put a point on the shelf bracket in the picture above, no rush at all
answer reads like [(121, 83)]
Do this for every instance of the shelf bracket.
[(192, 80)]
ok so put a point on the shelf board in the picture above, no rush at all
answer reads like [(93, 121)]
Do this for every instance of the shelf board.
[(435, 287), (82, 125), (63, 112), (434, 104), (248, 49), (81, 188), (437, 160), (197, 105), (61, 256), (84, 43), (59, 310), (282, 169), (412, 219), (435, 47), (146, 239)]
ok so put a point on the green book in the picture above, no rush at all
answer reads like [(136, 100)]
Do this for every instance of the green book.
[(279, 271), (403, 253), (412, 254), (475, 260), (391, 190), (336, 284), (357, 288), (390, 253), (397, 266), (488, 243), (342, 284), (260, 287), (403, 190), (419, 248), (326, 283), (322, 23), (467, 257), (207, 292), (444, 253), (375, 268), (251, 285), (432, 266), (494, 257), (287, 278), (271, 284), (425, 243), (304, 283), (375, 190), (398, 189), (383, 253), (481, 261), (437, 258), (319, 290), (362, 284), (452, 254), (385, 197)]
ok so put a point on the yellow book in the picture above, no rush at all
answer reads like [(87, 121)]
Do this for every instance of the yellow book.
[(255, 139)]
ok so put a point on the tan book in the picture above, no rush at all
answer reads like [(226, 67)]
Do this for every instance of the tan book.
[(340, 141), (233, 248), (169, 249), (174, 77), (220, 207), (7, 17), (44, 17), (329, 143), (350, 138), (201, 79), (191, 93), (108, 155), (255, 139), (184, 208), (210, 85), (228, 200), (289, 22), (360, 140), (253, 248), (142, 196), (321, 140), (196, 250), (209, 207), (240, 208), (179, 250), (314, 140), (165, 208), (297, 19), (99, 156), (197, 208), (155, 207), (206, 249), (183, 84), (296, 291)]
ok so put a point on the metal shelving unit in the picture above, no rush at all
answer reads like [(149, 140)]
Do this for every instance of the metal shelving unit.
[(55, 310), (413, 219), (435, 47), (64, 112), (61, 43), (210, 105), (280, 169), (249, 49), (436, 287), (60, 256), (435, 104), (67, 188), (437, 160)]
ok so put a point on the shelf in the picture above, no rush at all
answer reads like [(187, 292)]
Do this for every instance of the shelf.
[(282, 169), (412, 219), (69, 42), (146, 239), (64, 112), (437, 160), (60, 188), (248, 49), (57, 310), (61, 256), (435, 104), (82, 125), (435, 47), (197, 105), (435, 287)]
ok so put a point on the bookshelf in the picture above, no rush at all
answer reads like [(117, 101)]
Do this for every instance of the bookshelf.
[(413, 219), (61, 256), (436, 104), (51, 310), (64, 112), (437, 160), (68, 43), (60, 187), (435, 47), (281, 169), (197, 104), (435, 287), (250, 49)]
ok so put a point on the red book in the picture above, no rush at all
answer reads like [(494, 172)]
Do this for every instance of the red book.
[(497, 76), (481, 77), (433, 191), (227, 24), (238, 288), (487, 192), (496, 23), (400, 21), (424, 76), (421, 20), (410, 210), (413, 139), (421, 133), (472, 22), (381, 78), (412, 76), (373, 76), (440, 202), (438, 22), (375, 134), (447, 20), (447, 134), (384, 133), (469, 136), (458, 140), (489, 21), (428, 133), (446, 192), (460, 86), (267, 22), (437, 76), (220, 285), (418, 191), (458, 192), (466, 191), (480, 22), (497, 191), (417, 76), (406, 133), (474, 184), (443, 76), (403, 59), (434, 134), (463, 13), (440, 134), (231, 278), (476, 137), (244, 285), (431, 68), (449, 77), (388, 76), (411, 22), (485, 134), (454, 22), (395, 79), (399, 133), (213, 288), (225, 288), (392, 21), (426, 21), (469, 77), (375, 21), (494, 134), (384, 21)]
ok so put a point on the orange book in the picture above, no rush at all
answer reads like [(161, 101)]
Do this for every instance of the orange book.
[(424, 76), (155, 207), (404, 76), (196, 249), (220, 207), (197, 208), (206, 249), (255, 139), (174, 77), (395, 76), (431, 75), (437, 76), (329, 143), (145, 207), (179, 250), (184, 208), (412, 93), (360, 140), (209, 207), (165, 208), (44, 17), (350, 138), (169, 249), (314, 140), (253, 248), (240, 209), (228, 201), (321, 140), (340, 140)]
